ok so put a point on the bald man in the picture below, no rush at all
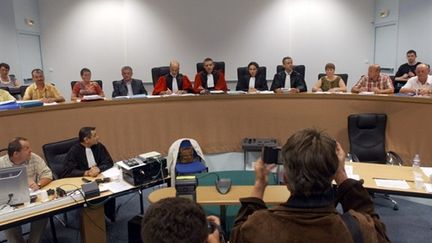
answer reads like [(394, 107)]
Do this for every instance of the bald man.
[(420, 84), (374, 81), (173, 82)]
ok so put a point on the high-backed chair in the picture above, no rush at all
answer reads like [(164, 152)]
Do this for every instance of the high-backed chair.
[(55, 154), (158, 72), (397, 84), (97, 81), (219, 66), (242, 71), (344, 76), (366, 134), (23, 89), (298, 68)]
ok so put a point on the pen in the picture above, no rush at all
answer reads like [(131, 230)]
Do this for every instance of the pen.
[(376, 178)]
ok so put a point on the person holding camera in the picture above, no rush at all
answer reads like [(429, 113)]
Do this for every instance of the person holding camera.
[(179, 220), (312, 160)]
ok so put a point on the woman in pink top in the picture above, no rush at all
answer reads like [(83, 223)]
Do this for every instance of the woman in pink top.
[(86, 86)]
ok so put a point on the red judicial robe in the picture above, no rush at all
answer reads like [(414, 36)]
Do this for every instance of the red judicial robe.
[(165, 82), (201, 80)]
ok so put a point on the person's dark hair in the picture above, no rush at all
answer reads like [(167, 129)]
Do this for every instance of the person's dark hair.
[(84, 70), (85, 132), (126, 68), (412, 52), (329, 66), (285, 58), (174, 220), (310, 162), (254, 64), (207, 59), (15, 145), (36, 70), (5, 65)]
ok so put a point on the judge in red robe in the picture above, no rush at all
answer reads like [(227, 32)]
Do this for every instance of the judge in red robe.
[(209, 79), (166, 86)]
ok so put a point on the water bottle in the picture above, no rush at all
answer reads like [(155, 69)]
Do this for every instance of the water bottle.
[(418, 175)]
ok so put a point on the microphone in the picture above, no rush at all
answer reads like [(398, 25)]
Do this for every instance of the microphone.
[(223, 185)]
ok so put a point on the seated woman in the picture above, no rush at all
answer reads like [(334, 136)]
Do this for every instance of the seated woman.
[(86, 86), (253, 80), (330, 82), (5, 79)]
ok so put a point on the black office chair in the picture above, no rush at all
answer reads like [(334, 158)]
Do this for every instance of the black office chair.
[(396, 84), (5, 88), (242, 71), (344, 76), (219, 66), (298, 68), (158, 72), (55, 154), (366, 134), (23, 89), (97, 81)]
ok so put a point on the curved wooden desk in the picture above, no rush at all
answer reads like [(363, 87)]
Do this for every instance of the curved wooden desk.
[(220, 122), (207, 195)]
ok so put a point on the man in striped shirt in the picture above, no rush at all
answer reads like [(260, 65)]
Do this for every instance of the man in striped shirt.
[(374, 81)]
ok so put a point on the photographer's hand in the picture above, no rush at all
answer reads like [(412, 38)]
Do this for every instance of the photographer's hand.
[(215, 236), (261, 178)]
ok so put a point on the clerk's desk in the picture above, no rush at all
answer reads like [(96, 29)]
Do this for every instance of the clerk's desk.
[(207, 195), (93, 219)]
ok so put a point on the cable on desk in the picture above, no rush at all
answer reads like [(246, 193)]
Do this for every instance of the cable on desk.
[(9, 201)]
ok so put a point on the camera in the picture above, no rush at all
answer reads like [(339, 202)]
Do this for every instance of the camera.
[(211, 226), (186, 187), (270, 154)]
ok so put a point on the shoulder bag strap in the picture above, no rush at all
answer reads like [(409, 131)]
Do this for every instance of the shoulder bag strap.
[(353, 227)]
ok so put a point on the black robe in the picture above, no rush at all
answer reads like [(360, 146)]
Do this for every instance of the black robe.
[(76, 160)]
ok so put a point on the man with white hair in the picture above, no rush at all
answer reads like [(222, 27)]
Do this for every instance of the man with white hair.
[(420, 84)]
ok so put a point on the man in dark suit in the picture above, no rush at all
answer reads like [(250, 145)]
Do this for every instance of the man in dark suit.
[(128, 86), (288, 79), (88, 158)]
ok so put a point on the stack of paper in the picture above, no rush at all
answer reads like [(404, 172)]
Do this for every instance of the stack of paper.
[(389, 183)]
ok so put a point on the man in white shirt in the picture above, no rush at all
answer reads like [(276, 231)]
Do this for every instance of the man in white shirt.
[(420, 84)]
